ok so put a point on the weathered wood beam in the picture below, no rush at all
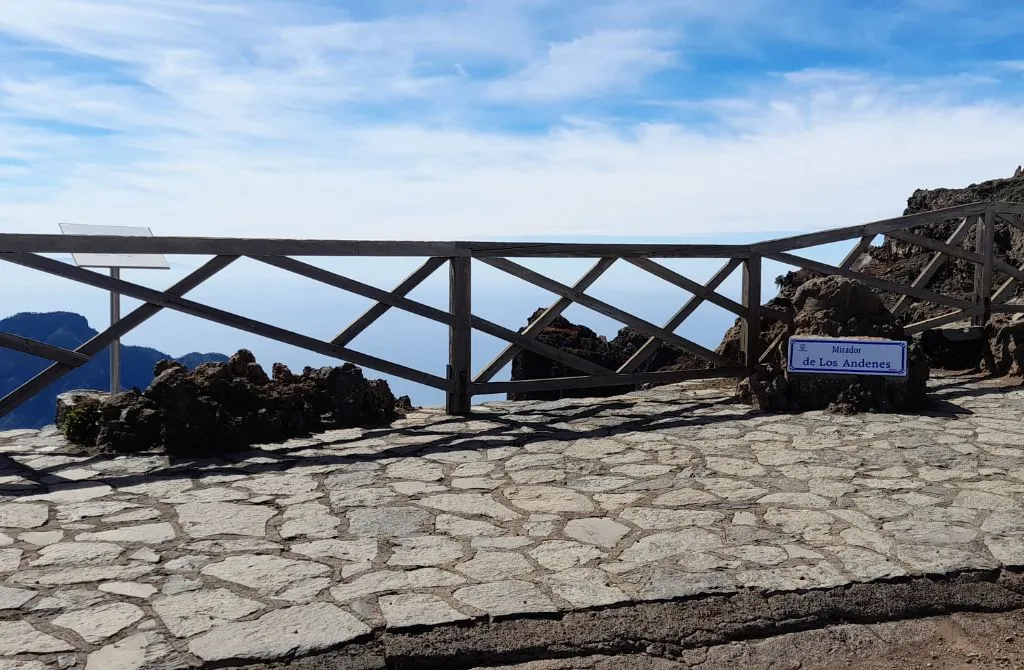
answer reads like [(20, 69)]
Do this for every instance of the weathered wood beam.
[(866, 229), (941, 320), (936, 262), (601, 250), (751, 325), (884, 284), (42, 350), (1008, 208), (854, 254), (535, 327), (124, 325), (234, 246), (936, 245), (1008, 309), (371, 315), (222, 317), (571, 383), (651, 345), (530, 344), (460, 336), (602, 307), (985, 245)]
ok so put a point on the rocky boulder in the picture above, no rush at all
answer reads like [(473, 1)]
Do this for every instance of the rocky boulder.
[(838, 307), (224, 407)]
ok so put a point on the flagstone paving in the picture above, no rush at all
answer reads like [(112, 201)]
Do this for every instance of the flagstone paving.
[(126, 562)]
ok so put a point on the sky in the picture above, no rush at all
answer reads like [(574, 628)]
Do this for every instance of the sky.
[(486, 119)]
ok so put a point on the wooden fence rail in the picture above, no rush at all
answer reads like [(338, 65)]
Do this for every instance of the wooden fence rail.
[(459, 383)]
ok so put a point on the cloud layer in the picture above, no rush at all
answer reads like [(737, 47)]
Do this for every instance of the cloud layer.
[(480, 119)]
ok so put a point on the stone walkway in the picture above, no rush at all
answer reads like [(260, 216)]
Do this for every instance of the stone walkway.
[(135, 562)]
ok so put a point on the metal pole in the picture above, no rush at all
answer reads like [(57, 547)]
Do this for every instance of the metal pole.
[(115, 346)]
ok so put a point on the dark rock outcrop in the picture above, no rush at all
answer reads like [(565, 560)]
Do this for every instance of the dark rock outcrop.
[(224, 407), (837, 307), (70, 330)]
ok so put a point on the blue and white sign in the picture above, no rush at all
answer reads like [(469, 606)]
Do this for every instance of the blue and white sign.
[(883, 358)]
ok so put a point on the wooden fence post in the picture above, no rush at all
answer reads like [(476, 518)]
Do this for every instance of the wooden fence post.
[(459, 335), (984, 245), (751, 341)]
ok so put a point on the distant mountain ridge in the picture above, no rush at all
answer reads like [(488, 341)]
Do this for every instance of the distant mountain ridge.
[(70, 330)]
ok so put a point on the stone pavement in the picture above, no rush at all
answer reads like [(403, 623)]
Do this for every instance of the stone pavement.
[(529, 508)]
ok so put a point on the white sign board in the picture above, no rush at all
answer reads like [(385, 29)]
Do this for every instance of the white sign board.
[(124, 261), (881, 358)]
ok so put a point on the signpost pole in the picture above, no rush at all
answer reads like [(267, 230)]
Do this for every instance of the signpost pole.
[(115, 346)]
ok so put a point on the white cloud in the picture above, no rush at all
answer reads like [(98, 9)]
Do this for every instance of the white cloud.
[(256, 118)]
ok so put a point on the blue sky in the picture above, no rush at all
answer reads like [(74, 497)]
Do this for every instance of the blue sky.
[(490, 119)]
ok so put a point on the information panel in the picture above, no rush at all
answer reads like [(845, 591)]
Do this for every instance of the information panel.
[(883, 358)]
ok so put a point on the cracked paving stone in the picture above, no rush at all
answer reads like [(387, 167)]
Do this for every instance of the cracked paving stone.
[(388, 521), (650, 518), (292, 631), (548, 499), (867, 565), (585, 587), (598, 531), (417, 609), (359, 551), (456, 525), (274, 576), (492, 566), (205, 519), (394, 580), (77, 553), (670, 543), (20, 637), (563, 554), (425, 551), (101, 621), (141, 651), (152, 533), (667, 583), (821, 575), (472, 504), (189, 614), (506, 597), (936, 559)]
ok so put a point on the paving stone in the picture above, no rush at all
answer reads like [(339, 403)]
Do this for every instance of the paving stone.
[(763, 554), (599, 531), (131, 589), (585, 587), (142, 651), (491, 566), (101, 621), (456, 525), (10, 559), (69, 493), (506, 597), (23, 515), (930, 532), (79, 575), (362, 550), (666, 519), (417, 609), (206, 519), (152, 533), (228, 545), (11, 599), (274, 576), (866, 565), (278, 484), (368, 497), (548, 499), (292, 631), (415, 469), (983, 500), (388, 521), (821, 575), (668, 583), (19, 637), (663, 545), (69, 599), (425, 551), (191, 613), (386, 581), (73, 512), (311, 520), (937, 559), (563, 554), (77, 553), (43, 538), (134, 515), (471, 504)]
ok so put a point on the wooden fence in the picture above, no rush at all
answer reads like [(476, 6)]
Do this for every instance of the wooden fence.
[(459, 383)]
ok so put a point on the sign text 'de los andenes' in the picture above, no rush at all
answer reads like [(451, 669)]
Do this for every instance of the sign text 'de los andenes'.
[(886, 358)]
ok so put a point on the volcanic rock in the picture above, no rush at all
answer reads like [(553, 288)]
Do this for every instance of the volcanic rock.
[(837, 307), (223, 407)]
